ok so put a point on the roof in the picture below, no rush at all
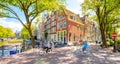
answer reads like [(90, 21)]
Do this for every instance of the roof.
[(70, 13)]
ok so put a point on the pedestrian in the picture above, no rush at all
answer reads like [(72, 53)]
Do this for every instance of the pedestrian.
[(96, 41), (84, 46)]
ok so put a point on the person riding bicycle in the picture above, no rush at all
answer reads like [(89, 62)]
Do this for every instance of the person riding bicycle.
[(84, 46)]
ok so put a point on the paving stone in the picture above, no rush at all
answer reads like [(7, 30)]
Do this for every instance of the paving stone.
[(65, 55)]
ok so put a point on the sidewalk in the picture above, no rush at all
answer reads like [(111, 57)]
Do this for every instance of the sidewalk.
[(65, 55), (98, 55)]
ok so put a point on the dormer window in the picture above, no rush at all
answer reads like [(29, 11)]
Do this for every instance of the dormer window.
[(73, 17)]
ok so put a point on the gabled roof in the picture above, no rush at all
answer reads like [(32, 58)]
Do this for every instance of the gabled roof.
[(70, 13)]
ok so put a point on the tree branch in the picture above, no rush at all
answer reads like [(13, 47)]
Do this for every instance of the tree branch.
[(21, 4), (8, 16), (25, 10), (36, 14), (30, 4), (14, 13), (117, 5), (32, 12)]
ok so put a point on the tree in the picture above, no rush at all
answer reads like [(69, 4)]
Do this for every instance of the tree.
[(24, 33), (30, 8), (103, 10), (46, 34), (1, 31), (9, 32), (6, 32)]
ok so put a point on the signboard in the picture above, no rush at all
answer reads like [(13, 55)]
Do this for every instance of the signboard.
[(114, 35)]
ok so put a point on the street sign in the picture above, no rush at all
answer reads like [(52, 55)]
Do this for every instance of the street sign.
[(114, 35)]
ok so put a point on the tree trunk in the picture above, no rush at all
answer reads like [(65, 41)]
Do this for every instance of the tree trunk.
[(103, 35), (102, 27), (32, 37)]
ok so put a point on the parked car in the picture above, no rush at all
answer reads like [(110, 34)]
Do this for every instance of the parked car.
[(56, 43), (28, 42)]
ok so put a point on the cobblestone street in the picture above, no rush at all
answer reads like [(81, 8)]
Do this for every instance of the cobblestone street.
[(65, 55)]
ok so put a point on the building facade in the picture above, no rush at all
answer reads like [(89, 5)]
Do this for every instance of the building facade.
[(64, 26), (40, 30), (91, 30)]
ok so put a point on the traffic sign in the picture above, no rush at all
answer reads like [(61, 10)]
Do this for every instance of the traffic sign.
[(114, 35)]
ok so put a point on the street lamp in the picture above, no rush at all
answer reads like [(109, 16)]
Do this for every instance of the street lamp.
[(114, 36), (94, 31)]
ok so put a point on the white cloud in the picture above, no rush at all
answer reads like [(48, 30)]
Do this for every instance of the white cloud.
[(79, 1), (74, 6), (10, 24), (77, 11)]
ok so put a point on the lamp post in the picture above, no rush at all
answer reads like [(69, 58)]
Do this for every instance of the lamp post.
[(114, 37), (2, 49), (94, 31)]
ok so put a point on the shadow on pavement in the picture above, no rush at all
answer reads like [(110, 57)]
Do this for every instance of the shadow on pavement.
[(65, 55), (97, 55)]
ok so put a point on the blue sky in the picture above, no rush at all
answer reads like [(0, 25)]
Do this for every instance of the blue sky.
[(72, 5)]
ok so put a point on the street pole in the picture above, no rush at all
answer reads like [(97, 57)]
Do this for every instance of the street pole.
[(114, 47), (95, 34), (3, 50)]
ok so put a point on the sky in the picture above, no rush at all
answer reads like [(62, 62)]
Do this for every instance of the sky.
[(72, 5)]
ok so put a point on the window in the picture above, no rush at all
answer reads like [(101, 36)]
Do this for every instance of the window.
[(64, 33), (60, 24), (70, 36), (53, 18), (48, 26), (64, 23), (73, 17), (53, 23), (60, 18), (53, 30), (79, 27)]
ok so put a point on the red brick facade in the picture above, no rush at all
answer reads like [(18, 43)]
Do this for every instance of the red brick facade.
[(73, 31), (68, 26)]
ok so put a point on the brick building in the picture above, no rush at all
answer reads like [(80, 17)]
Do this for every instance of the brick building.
[(64, 26)]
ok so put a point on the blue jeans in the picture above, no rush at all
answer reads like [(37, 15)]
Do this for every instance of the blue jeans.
[(84, 48)]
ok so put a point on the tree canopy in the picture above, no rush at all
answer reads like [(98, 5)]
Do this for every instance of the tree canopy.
[(6, 32), (30, 8), (24, 33), (106, 12)]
